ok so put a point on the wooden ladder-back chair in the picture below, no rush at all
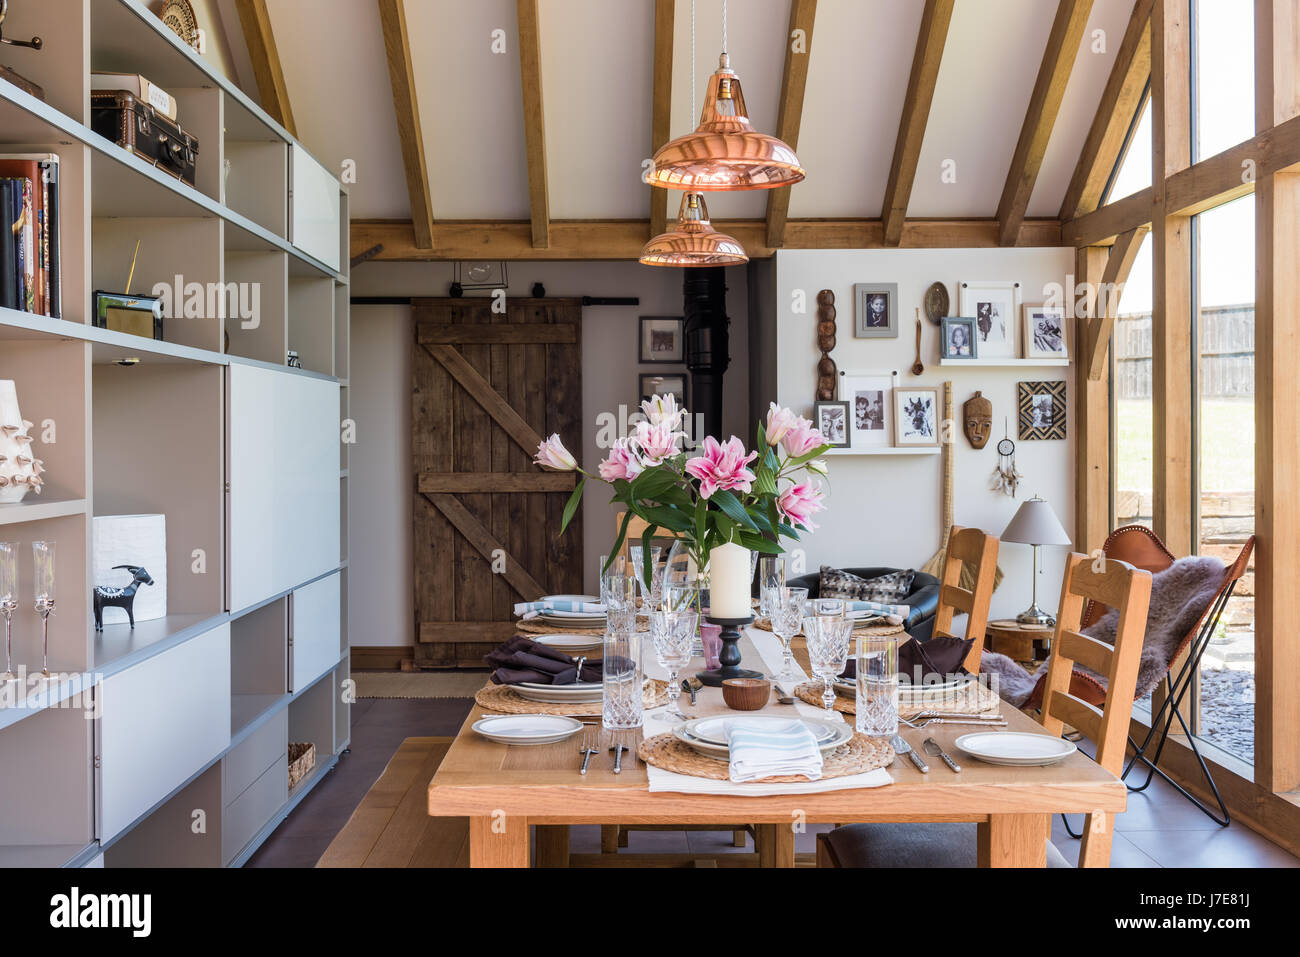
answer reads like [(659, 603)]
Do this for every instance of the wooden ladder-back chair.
[(1141, 547), (979, 550), (1118, 585), (955, 845)]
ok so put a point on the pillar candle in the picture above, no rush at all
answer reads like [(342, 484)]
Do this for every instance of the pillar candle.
[(729, 579)]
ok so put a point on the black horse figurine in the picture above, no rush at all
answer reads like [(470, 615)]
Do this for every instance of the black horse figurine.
[(107, 596)]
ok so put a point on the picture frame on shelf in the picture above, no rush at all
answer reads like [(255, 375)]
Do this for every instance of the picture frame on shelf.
[(870, 398), (661, 340), (875, 310), (663, 383), (832, 420), (995, 305), (917, 414), (958, 338), (1045, 332), (1041, 408)]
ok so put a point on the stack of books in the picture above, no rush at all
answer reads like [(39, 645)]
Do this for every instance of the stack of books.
[(29, 234)]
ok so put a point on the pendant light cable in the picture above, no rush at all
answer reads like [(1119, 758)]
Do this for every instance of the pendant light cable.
[(724, 26), (692, 116)]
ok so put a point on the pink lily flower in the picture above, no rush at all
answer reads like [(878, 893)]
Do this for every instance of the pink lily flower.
[(662, 410), (802, 438), (779, 423), (552, 454), (622, 463), (656, 443), (722, 466), (800, 502)]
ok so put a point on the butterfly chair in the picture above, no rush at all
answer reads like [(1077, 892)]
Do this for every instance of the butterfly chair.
[(1141, 547), (1118, 585)]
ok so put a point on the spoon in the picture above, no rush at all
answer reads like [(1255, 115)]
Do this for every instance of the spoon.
[(917, 368)]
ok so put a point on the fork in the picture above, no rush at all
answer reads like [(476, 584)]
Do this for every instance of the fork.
[(589, 742), (978, 722)]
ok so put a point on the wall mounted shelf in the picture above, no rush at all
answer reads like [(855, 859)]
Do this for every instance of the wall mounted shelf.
[(1006, 363), (893, 450)]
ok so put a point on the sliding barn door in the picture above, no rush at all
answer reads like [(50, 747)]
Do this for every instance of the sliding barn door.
[(488, 388)]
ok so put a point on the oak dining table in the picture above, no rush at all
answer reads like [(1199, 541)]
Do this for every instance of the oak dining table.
[(507, 790)]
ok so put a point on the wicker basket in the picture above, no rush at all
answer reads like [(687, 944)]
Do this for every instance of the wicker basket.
[(302, 758)]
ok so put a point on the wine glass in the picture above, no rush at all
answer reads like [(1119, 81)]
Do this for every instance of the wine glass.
[(829, 607), (771, 574), (673, 634), (652, 590), (618, 594), (828, 653), (8, 600), (785, 611), (43, 559)]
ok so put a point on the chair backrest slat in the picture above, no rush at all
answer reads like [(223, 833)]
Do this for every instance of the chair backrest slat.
[(1077, 713), (979, 550), (1092, 654)]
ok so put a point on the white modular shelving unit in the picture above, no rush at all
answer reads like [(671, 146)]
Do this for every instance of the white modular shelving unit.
[(184, 758)]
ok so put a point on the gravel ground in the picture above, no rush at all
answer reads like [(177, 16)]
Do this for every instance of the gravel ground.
[(1228, 711)]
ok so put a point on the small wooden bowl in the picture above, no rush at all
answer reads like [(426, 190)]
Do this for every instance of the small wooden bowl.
[(746, 694)]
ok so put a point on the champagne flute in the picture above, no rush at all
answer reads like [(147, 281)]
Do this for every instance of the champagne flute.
[(8, 601), (786, 608), (43, 559)]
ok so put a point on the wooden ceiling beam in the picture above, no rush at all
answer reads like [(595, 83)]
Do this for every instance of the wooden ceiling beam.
[(661, 107), (397, 46), (623, 239), (798, 53), (530, 71), (1044, 104), (1125, 92), (255, 21), (930, 42), (1118, 266), (1101, 227)]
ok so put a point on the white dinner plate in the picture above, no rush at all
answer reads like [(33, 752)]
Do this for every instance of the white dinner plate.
[(583, 693), (572, 616), (831, 735), (591, 598), (571, 644), (1017, 748), (906, 689), (716, 730), (527, 729)]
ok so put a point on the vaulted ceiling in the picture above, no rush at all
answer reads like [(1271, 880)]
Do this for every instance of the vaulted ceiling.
[(596, 68)]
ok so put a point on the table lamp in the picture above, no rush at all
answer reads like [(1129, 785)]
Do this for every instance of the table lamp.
[(1035, 524)]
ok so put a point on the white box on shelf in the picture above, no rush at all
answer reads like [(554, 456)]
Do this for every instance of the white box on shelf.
[(132, 540)]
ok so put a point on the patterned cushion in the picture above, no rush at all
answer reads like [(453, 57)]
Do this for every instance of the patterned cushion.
[(890, 589)]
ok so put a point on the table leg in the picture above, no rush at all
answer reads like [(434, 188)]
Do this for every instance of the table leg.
[(1014, 840), (498, 841), (775, 845), (1097, 833), (552, 845)]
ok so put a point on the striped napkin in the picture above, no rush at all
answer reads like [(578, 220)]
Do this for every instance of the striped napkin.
[(876, 608), (559, 604), (768, 748)]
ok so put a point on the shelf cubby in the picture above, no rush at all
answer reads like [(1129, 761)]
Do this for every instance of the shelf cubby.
[(258, 662), (57, 68), (265, 336), (52, 380), (46, 789), (257, 181), (311, 323), (311, 718), (68, 652), (171, 835)]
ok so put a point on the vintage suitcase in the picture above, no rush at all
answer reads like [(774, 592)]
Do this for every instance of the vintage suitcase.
[(138, 127)]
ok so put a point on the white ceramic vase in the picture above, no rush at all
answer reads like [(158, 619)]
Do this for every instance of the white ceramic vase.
[(20, 470)]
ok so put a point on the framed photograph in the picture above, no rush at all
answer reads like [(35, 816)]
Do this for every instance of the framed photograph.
[(1041, 407), (918, 416), (667, 383), (832, 420), (662, 339), (877, 310), (1044, 333), (995, 306), (958, 339), (870, 398)]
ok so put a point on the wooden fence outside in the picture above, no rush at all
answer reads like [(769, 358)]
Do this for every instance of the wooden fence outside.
[(1227, 367)]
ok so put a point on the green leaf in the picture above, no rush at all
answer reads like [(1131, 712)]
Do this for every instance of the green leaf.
[(762, 436), (618, 542), (807, 456), (647, 557), (666, 517), (765, 481), (571, 506), (728, 503), (758, 543), (652, 482)]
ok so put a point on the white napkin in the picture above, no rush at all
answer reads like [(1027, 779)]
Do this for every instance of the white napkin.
[(761, 749), (858, 607)]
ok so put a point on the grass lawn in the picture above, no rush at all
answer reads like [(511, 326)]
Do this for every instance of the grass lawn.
[(1227, 444)]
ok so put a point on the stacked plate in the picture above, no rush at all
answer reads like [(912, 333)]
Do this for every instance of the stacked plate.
[(572, 644), (709, 736), (526, 729), (950, 684), (580, 692), (573, 619)]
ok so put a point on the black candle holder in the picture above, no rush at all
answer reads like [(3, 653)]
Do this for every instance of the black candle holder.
[(729, 659)]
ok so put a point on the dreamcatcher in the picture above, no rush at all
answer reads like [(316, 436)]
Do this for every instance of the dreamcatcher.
[(1006, 477)]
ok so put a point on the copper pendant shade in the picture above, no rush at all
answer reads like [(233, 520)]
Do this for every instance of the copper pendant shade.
[(694, 241), (725, 152)]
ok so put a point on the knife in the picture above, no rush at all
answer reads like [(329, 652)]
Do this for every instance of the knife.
[(902, 747)]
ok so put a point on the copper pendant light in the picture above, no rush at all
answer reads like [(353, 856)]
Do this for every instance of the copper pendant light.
[(694, 241), (725, 152)]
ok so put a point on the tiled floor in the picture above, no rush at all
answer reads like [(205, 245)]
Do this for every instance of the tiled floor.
[(1160, 828)]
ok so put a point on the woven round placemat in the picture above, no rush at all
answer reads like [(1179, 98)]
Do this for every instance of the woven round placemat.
[(504, 699), (883, 630), (535, 626), (973, 699), (857, 756)]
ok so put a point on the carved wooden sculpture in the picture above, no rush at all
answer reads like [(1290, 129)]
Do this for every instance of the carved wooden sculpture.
[(827, 384)]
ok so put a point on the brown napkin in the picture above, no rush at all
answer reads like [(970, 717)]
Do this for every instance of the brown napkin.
[(921, 661), (521, 659)]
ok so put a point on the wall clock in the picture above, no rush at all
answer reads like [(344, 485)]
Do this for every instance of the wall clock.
[(179, 17)]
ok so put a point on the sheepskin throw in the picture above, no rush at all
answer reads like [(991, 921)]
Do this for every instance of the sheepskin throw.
[(1180, 596)]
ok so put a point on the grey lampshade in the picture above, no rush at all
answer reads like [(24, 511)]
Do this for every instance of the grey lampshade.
[(1035, 524)]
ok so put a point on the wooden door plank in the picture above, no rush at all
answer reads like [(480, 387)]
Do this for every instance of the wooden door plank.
[(562, 405), (530, 71), (430, 333), (916, 113), (406, 107), (434, 540), (465, 632), (1118, 265), (457, 483), (487, 397), (486, 545), (798, 53), (661, 105), (1044, 104), (1120, 101)]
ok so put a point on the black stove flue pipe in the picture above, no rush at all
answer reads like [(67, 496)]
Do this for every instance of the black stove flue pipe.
[(707, 349)]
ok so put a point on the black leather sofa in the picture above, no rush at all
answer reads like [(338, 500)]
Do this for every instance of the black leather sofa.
[(923, 599)]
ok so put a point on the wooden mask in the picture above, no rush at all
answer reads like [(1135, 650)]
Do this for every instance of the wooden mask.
[(977, 420)]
